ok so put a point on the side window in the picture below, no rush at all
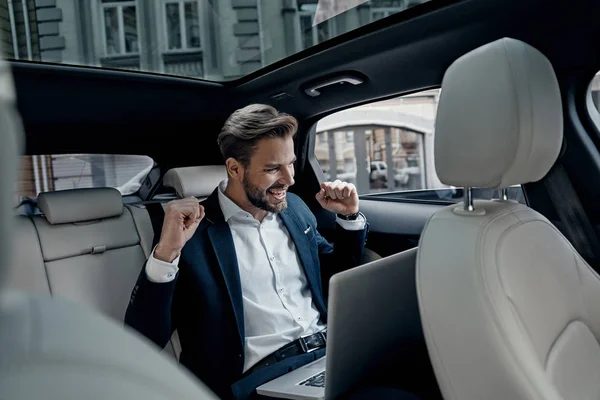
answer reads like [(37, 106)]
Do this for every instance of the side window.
[(390, 153), (44, 173)]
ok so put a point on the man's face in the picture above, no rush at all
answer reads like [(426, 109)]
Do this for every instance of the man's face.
[(270, 173)]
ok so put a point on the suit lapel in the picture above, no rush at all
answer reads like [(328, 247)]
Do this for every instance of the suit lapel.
[(222, 243), (297, 232)]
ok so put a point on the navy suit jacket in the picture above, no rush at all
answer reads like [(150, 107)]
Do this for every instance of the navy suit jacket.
[(204, 302)]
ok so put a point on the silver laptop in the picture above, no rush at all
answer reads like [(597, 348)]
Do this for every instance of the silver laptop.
[(370, 309)]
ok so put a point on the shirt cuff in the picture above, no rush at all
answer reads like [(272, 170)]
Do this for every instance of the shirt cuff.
[(161, 271), (357, 225)]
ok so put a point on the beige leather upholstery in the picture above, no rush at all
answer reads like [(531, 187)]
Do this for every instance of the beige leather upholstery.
[(195, 181), (52, 348), (509, 309), (78, 205), (55, 349), (146, 232), (497, 117), (94, 262), (143, 225), (27, 270)]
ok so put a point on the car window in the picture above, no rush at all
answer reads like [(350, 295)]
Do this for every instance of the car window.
[(395, 137), (218, 40), (44, 173)]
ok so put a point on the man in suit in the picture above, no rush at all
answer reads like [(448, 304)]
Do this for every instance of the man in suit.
[(239, 276)]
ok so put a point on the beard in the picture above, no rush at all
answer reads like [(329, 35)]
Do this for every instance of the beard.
[(259, 198)]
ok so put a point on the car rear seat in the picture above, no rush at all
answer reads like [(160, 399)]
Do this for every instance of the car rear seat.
[(87, 246), (195, 181)]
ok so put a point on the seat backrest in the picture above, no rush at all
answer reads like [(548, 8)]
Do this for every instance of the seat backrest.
[(90, 246), (195, 181), (85, 246), (509, 309), (27, 269)]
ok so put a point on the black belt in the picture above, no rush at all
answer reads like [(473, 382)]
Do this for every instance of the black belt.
[(306, 344)]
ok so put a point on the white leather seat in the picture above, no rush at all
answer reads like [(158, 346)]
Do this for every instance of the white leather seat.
[(85, 246), (509, 309), (197, 181), (91, 247), (54, 349), (88, 247)]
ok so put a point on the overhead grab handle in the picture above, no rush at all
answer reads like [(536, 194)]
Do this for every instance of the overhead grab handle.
[(314, 90)]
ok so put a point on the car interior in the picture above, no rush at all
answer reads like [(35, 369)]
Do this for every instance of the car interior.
[(527, 327)]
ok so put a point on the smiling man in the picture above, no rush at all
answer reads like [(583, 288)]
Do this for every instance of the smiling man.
[(239, 276)]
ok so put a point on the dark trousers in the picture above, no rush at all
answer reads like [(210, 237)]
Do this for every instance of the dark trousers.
[(245, 388)]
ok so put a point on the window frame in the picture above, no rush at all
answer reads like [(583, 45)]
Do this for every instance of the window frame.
[(182, 26), (119, 5)]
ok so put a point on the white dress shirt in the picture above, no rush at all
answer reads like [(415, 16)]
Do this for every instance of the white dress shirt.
[(277, 302)]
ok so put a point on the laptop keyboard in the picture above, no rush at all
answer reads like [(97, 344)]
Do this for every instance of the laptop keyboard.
[(317, 380)]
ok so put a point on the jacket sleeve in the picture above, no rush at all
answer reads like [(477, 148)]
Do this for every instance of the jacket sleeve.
[(346, 252), (150, 308)]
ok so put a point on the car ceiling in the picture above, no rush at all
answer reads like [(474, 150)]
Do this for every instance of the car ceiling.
[(176, 120)]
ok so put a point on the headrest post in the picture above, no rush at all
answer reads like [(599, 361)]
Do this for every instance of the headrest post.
[(468, 198), (504, 194)]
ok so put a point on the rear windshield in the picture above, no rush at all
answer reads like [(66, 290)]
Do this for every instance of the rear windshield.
[(46, 173)]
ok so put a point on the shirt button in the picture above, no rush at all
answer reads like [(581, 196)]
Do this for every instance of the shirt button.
[(299, 318), (272, 258), (280, 290)]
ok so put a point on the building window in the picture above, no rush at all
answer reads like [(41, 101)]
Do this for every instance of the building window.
[(119, 20), (182, 25), (312, 35)]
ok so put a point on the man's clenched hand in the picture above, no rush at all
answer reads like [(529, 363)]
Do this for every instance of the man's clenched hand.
[(338, 197), (182, 217)]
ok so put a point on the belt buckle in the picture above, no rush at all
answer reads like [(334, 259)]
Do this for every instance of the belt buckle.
[(304, 345)]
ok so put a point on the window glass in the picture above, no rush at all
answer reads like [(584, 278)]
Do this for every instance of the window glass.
[(120, 28), (111, 26), (219, 40), (173, 25), (44, 173), (386, 147), (192, 24)]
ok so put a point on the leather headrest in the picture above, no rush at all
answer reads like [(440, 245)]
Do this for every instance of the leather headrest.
[(499, 121), (77, 205), (195, 181)]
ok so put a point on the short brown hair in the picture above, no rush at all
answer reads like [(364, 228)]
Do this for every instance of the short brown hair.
[(248, 125)]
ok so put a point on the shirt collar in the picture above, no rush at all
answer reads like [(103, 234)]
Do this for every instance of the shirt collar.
[(229, 208)]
